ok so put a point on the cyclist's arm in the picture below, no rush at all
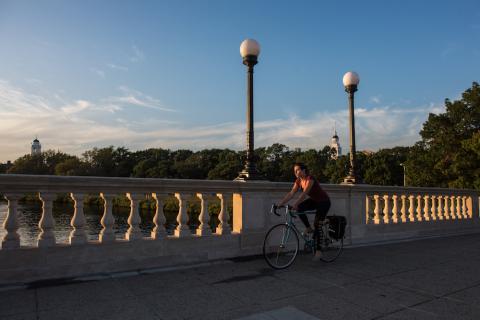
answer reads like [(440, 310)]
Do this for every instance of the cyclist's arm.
[(289, 195), (304, 194)]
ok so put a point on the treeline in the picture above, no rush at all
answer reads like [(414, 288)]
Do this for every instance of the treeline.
[(448, 155), (274, 162)]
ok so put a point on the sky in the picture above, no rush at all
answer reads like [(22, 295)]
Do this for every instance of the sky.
[(168, 74)]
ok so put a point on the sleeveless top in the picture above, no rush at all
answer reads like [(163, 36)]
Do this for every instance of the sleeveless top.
[(316, 192)]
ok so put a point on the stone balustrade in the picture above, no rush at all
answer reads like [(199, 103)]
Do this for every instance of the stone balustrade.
[(375, 214), (405, 207)]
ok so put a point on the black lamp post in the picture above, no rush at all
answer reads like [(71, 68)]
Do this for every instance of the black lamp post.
[(249, 50), (404, 174), (350, 81)]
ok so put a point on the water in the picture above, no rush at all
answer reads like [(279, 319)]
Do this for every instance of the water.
[(29, 215)]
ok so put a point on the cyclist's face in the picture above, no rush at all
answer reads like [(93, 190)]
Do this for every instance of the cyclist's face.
[(299, 173)]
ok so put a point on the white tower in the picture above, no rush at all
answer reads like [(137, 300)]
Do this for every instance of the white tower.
[(335, 145), (36, 147)]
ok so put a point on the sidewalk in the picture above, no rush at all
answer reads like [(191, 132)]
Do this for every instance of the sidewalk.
[(427, 279)]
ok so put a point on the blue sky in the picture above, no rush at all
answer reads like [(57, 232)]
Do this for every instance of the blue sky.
[(168, 74)]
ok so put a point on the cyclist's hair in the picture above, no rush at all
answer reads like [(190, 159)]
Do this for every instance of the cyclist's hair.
[(301, 165)]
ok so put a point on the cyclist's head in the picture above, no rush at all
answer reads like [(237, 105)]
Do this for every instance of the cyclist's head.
[(300, 170)]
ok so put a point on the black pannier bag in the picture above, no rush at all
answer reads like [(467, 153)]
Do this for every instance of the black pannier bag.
[(337, 226)]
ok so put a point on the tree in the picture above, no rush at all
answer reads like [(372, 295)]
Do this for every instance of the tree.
[(228, 166), (71, 167), (445, 157), (383, 167), (109, 162), (29, 164), (43, 163)]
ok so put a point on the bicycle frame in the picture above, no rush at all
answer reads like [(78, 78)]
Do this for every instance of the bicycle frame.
[(289, 216)]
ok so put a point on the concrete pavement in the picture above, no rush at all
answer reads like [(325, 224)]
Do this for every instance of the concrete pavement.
[(427, 279)]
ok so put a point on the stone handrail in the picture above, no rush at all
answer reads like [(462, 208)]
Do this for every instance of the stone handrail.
[(374, 213), (417, 206)]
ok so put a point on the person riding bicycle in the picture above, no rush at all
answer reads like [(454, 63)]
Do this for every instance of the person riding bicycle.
[(313, 197)]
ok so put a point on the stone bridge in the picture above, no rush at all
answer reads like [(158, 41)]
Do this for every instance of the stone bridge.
[(375, 215)]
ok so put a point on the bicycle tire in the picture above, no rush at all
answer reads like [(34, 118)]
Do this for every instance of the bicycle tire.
[(331, 250), (280, 246)]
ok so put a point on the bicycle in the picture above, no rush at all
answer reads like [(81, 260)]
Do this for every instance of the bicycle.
[(282, 244)]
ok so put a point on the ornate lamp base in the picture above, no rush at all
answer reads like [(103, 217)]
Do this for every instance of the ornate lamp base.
[(351, 180), (249, 173)]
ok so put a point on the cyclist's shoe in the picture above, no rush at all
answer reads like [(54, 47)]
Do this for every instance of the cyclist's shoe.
[(317, 256)]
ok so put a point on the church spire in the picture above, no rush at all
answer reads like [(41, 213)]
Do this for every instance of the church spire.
[(36, 147), (335, 143)]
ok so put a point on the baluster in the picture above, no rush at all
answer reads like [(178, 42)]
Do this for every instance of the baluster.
[(376, 210), (446, 214), (419, 208), (182, 229), (464, 207), (426, 208), (452, 208), (368, 209), (395, 209), (403, 210), (159, 231), (108, 221), (223, 226), (411, 210), (46, 238), (434, 207), (386, 209), (78, 235), (11, 240), (134, 232), (204, 217), (470, 207), (439, 209), (458, 211)]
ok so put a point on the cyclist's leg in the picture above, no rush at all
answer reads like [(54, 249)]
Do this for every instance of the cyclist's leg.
[(305, 205), (322, 210)]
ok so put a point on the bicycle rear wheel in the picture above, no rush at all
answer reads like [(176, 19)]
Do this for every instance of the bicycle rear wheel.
[(331, 248), (280, 247)]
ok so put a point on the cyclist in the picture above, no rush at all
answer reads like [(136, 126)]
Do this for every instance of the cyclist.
[(313, 197)]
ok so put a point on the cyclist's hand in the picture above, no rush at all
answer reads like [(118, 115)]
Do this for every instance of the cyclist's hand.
[(295, 207)]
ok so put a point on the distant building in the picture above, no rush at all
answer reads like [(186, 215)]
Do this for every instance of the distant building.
[(367, 152), (335, 145), (36, 147)]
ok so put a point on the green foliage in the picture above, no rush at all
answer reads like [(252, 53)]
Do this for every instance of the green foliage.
[(44, 163), (446, 156), (383, 167)]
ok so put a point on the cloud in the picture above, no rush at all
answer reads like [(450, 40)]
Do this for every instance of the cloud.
[(83, 124), (98, 72), (137, 54), (78, 106), (133, 97), (117, 67), (34, 81), (450, 49), (375, 99)]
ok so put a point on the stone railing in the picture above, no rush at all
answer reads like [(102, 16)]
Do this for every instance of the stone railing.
[(417, 207), (375, 214)]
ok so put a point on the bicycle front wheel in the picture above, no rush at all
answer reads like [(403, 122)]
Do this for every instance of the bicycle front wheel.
[(280, 247)]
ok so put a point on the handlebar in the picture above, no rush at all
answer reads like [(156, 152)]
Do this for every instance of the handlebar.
[(275, 207), (292, 212)]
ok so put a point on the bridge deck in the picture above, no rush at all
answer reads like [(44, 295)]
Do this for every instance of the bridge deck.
[(427, 279)]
